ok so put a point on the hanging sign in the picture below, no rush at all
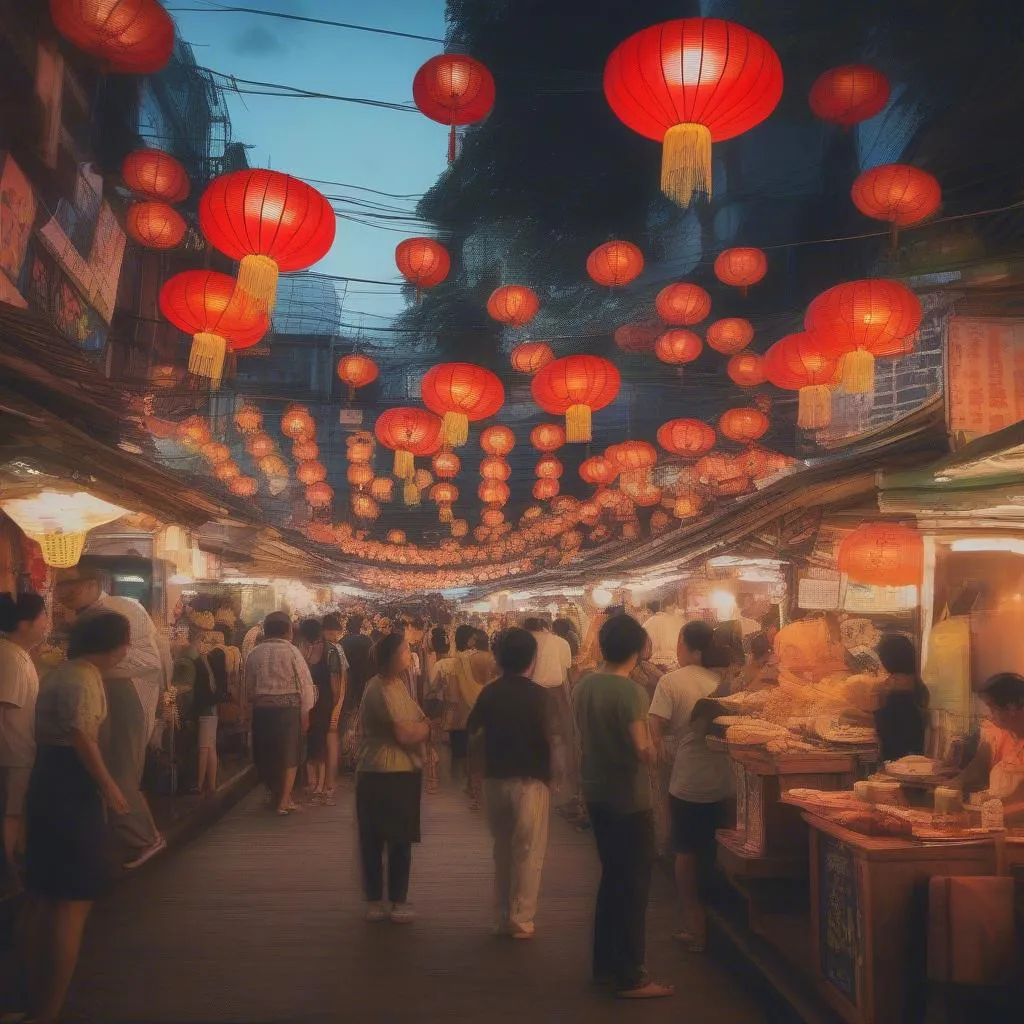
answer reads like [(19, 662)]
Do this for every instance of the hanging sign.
[(985, 374)]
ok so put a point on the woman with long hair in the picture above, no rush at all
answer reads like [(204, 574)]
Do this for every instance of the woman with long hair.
[(325, 667), (389, 782)]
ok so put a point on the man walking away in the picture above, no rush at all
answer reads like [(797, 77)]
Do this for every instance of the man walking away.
[(511, 715), (611, 715)]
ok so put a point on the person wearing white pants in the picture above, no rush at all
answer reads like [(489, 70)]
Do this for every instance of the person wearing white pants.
[(511, 713)]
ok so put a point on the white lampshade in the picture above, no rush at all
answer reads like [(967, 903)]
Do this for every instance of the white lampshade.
[(59, 521)]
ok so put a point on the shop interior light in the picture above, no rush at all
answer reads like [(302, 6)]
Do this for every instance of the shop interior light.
[(1012, 545), (723, 602), (601, 597)]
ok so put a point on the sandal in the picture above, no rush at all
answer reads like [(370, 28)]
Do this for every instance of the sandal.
[(648, 990)]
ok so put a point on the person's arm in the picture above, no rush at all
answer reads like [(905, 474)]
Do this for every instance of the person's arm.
[(88, 751), (307, 688), (411, 734), (658, 728), (975, 775), (641, 737), (339, 684)]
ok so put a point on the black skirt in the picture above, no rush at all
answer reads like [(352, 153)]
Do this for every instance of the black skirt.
[(388, 805), (276, 742), (66, 841)]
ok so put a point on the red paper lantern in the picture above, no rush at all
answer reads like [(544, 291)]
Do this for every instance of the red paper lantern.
[(460, 392), (248, 419), (493, 517), (683, 304), (598, 470), (270, 222), (243, 486), (864, 319), (131, 37), (729, 335), (545, 489), (156, 175), (494, 467), (883, 555), (745, 425), (896, 193), (801, 362), (688, 83), (311, 472), (549, 467), (305, 450), (359, 475), (207, 305), (687, 437), (444, 494), (408, 432), (360, 451), (260, 445), (849, 94), (453, 89), (513, 304), (364, 507), (396, 536), (638, 338), (225, 472), (678, 347), (494, 492), (446, 465), (422, 262), (382, 488), (687, 506), (548, 437), (576, 386), (155, 225), (741, 267), (497, 440), (530, 356), (615, 264), (357, 370), (746, 370), (297, 423)]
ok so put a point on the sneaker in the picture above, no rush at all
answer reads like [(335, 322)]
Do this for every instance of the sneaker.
[(402, 913), (146, 855), (375, 913)]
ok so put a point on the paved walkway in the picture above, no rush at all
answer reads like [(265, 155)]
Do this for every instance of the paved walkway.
[(259, 920)]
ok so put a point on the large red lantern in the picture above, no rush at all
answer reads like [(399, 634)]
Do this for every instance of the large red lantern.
[(357, 370), (270, 222), (598, 470), (547, 437), (896, 193), (530, 356), (883, 555), (745, 425), (155, 225), (747, 370), (461, 392), (801, 362), (729, 335), (453, 89), (688, 83), (687, 437), (638, 338), (678, 347), (741, 267), (576, 386), (131, 37), (862, 320), (497, 440), (423, 262), (683, 304), (615, 264), (408, 432), (513, 304), (156, 175), (207, 305), (849, 94)]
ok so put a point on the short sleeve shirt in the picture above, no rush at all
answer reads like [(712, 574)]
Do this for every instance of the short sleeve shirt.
[(19, 689), (381, 752), (604, 707), (71, 698)]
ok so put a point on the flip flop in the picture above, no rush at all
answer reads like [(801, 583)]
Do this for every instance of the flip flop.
[(649, 990)]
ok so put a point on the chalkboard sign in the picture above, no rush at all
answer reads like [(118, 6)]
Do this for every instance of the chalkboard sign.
[(839, 916)]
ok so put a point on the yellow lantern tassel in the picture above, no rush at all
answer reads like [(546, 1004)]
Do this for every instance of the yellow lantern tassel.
[(815, 407), (444, 514), (257, 279), (410, 492), (577, 423), (61, 550), (404, 464), (686, 163), (206, 358), (859, 372), (454, 429)]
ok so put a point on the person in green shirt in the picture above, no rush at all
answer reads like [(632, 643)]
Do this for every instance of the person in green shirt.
[(610, 712)]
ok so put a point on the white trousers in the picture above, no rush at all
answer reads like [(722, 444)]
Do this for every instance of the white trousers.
[(517, 812)]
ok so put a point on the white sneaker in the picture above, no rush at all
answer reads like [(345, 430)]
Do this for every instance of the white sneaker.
[(402, 913), (375, 913), (136, 862)]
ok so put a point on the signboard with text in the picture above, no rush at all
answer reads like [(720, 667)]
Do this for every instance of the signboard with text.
[(985, 373)]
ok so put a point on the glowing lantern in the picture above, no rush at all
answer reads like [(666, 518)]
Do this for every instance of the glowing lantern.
[(493, 492), (598, 471), (682, 305), (459, 527), (615, 264), (364, 507), (270, 222), (747, 370), (408, 432), (643, 493), (576, 386), (359, 474), (298, 423), (514, 305), (498, 440), (717, 468), (422, 262), (132, 37), (446, 465), (897, 193), (382, 488), (883, 555), (422, 478), (548, 437), (862, 320), (530, 356), (686, 437), (444, 494), (248, 419), (305, 451), (225, 472), (745, 425), (360, 451), (273, 466), (356, 370), (243, 486), (494, 467), (194, 432), (799, 362), (633, 459), (729, 335), (155, 225), (549, 467), (460, 392), (156, 175), (638, 338), (688, 83), (310, 472), (678, 347), (453, 89), (396, 536), (319, 495), (741, 267), (545, 489), (687, 506), (206, 305), (215, 452), (849, 94), (492, 517), (259, 446)]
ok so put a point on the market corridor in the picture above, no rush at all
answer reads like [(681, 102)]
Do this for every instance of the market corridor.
[(259, 920)]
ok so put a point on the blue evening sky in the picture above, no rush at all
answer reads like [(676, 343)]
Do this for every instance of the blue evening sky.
[(391, 151)]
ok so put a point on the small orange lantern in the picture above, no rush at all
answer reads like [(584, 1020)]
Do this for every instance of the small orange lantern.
[(687, 437), (310, 472), (545, 489), (747, 370), (298, 423), (548, 437), (359, 475), (741, 267), (498, 440), (678, 347), (446, 465), (248, 419), (494, 467), (683, 304), (243, 486), (745, 425), (514, 305), (357, 370), (305, 451), (530, 356), (615, 264), (730, 335), (549, 467), (155, 225), (319, 495)]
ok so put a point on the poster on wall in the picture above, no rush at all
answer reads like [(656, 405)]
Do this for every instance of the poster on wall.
[(49, 289), (17, 216), (985, 374)]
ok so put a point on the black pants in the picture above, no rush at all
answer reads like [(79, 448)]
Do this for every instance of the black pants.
[(371, 849), (625, 844)]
